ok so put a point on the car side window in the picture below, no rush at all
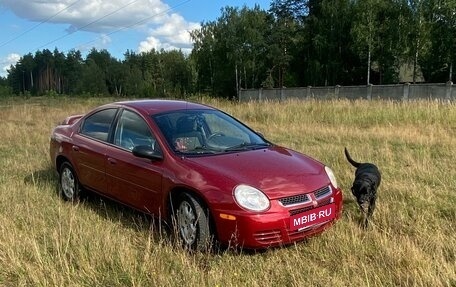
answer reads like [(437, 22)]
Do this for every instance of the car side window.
[(132, 131), (98, 124)]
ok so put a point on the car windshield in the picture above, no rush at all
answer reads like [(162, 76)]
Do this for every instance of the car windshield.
[(203, 132)]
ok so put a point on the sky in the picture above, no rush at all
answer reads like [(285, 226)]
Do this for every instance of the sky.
[(27, 26)]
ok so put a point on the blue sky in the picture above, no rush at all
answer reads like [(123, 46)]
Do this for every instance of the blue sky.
[(115, 25)]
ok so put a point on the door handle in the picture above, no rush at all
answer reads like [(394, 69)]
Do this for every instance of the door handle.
[(75, 148), (111, 160)]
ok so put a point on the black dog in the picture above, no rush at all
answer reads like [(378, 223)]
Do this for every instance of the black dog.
[(367, 180)]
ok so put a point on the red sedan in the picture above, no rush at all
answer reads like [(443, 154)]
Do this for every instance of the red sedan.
[(198, 168)]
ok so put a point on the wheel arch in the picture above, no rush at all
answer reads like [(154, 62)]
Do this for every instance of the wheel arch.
[(172, 201), (60, 159)]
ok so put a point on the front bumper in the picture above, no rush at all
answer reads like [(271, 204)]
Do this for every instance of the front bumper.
[(243, 229)]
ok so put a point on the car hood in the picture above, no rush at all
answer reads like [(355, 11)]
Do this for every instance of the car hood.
[(277, 171)]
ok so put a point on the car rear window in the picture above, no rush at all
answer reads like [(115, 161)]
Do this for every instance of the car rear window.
[(98, 124)]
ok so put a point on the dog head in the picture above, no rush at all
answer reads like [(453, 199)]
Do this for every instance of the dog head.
[(363, 193)]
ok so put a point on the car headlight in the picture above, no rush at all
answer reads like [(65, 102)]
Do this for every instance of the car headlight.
[(251, 198), (331, 176)]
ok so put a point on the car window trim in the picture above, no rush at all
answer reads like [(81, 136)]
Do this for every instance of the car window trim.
[(108, 140), (114, 128), (114, 124)]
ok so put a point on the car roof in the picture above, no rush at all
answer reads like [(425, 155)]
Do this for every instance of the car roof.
[(152, 107)]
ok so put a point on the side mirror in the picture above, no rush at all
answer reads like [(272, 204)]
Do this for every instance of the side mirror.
[(145, 151)]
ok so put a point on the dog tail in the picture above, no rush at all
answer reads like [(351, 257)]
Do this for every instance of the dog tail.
[(354, 163)]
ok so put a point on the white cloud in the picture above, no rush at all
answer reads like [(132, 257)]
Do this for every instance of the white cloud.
[(11, 59), (167, 30), (102, 42), (174, 33), (149, 44), (105, 40), (176, 30), (91, 15), (154, 43)]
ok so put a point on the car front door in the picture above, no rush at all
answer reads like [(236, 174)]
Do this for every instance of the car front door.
[(133, 180)]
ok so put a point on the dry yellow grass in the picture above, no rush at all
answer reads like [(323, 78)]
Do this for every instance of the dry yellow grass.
[(411, 242)]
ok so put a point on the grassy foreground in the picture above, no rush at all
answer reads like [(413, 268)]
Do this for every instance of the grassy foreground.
[(411, 240)]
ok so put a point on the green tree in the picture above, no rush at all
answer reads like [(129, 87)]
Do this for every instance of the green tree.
[(152, 70), (5, 89), (109, 69), (229, 52), (203, 56), (59, 67), (93, 78), (418, 33), (72, 72), (365, 30), (280, 42), (134, 81), (45, 65), (27, 65), (438, 63), (328, 40), (253, 25), (176, 73), (391, 47)]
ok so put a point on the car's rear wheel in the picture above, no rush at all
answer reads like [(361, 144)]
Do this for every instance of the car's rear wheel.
[(69, 183), (192, 223)]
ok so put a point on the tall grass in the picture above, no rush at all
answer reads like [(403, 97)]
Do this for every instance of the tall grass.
[(411, 240)]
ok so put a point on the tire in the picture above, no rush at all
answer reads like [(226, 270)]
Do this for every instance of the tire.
[(69, 188), (192, 224)]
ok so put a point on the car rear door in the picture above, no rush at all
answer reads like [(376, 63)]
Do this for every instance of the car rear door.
[(89, 149)]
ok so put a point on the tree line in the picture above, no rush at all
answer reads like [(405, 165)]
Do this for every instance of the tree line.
[(294, 43)]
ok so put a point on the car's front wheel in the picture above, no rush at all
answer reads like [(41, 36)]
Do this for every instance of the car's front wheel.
[(192, 223), (69, 183)]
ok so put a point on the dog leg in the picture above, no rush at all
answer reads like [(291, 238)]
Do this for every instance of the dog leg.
[(370, 212), (363, 218), (365, 223)]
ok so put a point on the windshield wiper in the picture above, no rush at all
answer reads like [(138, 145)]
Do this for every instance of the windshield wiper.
[(203, 149), (247, 146)]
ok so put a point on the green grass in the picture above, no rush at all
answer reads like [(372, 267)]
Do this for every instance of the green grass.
[(411, 241)]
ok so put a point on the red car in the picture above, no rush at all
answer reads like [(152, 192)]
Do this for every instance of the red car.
[(198, 168)]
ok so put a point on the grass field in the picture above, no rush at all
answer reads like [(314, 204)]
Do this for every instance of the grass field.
[(411, 240)]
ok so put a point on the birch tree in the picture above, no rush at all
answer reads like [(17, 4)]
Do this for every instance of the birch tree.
[(365, 29)]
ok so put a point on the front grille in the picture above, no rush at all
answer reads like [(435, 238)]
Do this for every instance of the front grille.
[(322, 192), (305, 198), (299, 210), (325, 202), (268, 236), (304, 209), (293, 200)]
